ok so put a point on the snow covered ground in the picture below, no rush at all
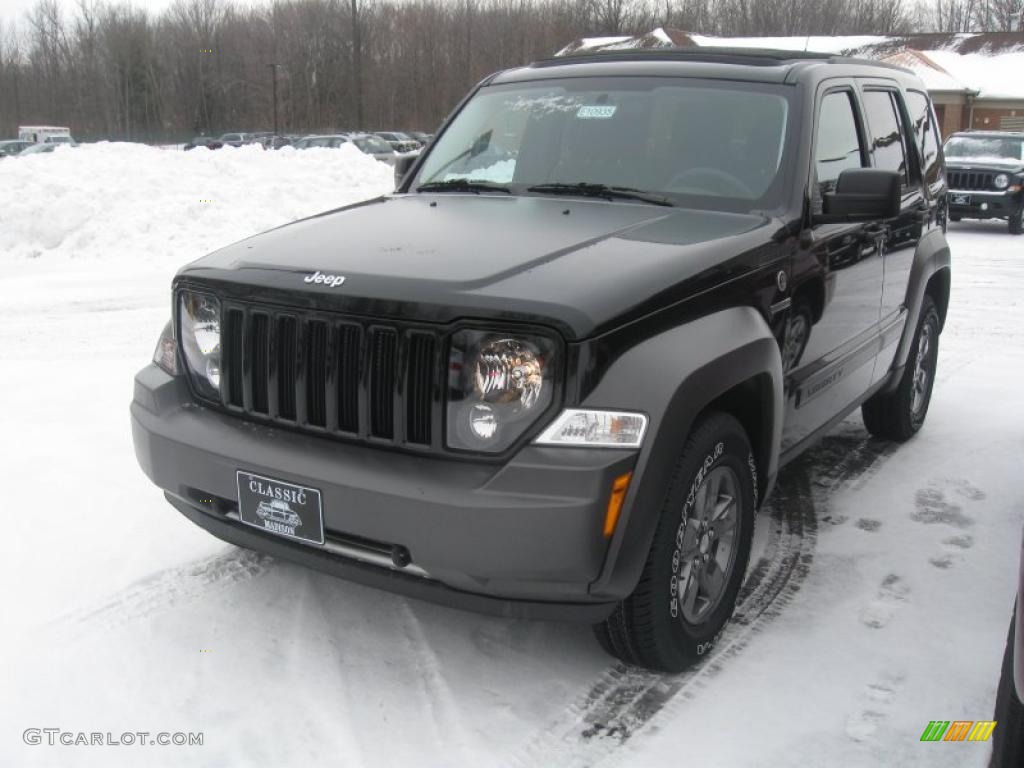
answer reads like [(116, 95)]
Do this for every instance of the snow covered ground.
[(879, 600)]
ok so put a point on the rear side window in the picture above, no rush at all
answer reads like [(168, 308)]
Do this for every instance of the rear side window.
[(837, 145), (927, 135), (886, 138)]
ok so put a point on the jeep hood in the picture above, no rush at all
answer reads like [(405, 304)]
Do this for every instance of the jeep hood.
[(999, 164), (582, 266)]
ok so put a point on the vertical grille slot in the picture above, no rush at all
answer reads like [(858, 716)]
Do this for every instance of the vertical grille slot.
[(347, 373), (383, 365), (316, 373), (259, 355), (231, 365), (287, 366), (419, 388)]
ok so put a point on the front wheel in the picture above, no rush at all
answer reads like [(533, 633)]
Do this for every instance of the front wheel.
[(899, 414), (1017, 222), (688, 588)]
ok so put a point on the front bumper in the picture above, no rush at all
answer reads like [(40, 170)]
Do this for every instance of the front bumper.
[(985, 205), (521, 539)]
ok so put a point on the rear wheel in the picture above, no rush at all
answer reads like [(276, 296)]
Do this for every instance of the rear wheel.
[(1017, 222), (954, 217), (689, 584), (899, 414)]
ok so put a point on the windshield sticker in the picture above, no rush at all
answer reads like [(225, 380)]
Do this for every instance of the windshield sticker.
[(596, 112)]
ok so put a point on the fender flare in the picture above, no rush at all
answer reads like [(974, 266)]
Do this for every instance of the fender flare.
[(673, 377), (931, 257)]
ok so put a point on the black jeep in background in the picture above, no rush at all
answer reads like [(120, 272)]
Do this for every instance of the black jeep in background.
[(986, 177), (556, 372)]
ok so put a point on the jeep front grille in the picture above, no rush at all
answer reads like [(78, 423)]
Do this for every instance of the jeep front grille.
[(331, 375), (975, 180)]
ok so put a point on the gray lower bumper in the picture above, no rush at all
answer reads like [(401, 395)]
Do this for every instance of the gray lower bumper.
[(985, 205), (519, 539)]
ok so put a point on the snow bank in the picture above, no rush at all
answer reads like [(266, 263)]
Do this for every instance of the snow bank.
[(137, 203)]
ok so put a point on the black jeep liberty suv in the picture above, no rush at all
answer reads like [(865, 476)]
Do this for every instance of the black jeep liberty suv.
[(555, 373)]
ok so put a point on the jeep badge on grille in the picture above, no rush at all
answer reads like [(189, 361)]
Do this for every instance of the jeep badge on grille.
[(330, 280)]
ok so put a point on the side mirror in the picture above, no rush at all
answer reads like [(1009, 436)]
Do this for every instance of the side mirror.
[(402, 166), (862, 194)]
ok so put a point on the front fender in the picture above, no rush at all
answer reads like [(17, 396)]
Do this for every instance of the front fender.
[(931, 257), (672, 378)]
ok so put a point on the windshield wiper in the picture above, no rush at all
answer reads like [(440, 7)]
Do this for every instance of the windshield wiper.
[(601, 190), (462, 185)]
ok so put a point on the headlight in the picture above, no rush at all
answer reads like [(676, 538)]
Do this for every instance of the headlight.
[(199, 317), (166, 355), (498, 385), (599, 429), (1002, 181)]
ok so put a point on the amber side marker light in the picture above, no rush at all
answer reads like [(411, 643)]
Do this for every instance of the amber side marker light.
[(618, 495)]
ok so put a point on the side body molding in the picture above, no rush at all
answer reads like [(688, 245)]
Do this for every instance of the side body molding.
[(673, 377)]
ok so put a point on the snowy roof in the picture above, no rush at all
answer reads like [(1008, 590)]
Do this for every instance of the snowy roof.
[(935, 78), (996, 77), (986, 64), (819, 44)]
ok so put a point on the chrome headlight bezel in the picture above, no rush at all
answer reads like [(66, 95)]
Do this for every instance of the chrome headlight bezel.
[(499, 385), (199, 325), (1001, 181)]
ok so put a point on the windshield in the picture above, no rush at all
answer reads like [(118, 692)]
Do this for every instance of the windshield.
[(372, 144), (997, 148), (707, 144)]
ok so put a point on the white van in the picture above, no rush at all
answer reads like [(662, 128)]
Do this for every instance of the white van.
[(45, 134)]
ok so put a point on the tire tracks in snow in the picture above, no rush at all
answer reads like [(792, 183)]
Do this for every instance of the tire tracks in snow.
[(624, 700), (167, 589)]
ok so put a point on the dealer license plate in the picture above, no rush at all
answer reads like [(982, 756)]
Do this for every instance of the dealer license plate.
[(283, 508)]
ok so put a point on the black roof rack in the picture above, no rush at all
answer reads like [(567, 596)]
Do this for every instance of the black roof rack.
[(765, 57), (751, 57)]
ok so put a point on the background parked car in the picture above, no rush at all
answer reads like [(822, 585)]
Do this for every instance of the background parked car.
[(13, 147), (236, 139), (367, 143), (326, 140), (986, 177), (421, 137), (204, 141), (38, 149), (400, 142), (375, 146)]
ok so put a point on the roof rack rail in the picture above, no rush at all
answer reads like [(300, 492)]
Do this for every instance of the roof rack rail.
[(765, 57)]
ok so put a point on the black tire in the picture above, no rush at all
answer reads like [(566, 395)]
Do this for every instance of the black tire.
[(898, 415), (954, 218), (651, 627), (1008, 737), (1017, 222)]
